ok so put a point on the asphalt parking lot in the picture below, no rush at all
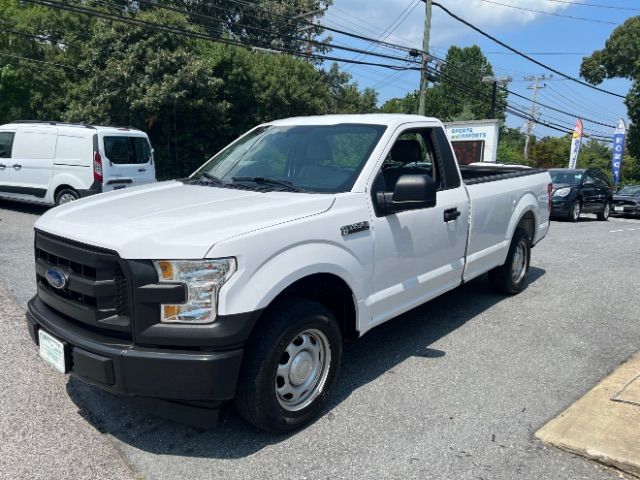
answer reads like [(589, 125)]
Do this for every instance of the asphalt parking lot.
[(453, 389)]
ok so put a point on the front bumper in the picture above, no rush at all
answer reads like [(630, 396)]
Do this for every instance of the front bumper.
[(121, 367), (627, 210), (560, 208)]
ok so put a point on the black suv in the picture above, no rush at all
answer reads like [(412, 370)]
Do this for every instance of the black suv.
[(577, 191)]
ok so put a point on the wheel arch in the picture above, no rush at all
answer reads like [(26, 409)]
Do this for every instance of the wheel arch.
[(327, 289)]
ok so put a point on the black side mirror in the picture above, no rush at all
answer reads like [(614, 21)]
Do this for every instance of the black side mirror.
[(412, 192)]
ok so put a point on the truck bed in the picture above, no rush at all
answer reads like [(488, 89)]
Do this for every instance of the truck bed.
[(474, 174)]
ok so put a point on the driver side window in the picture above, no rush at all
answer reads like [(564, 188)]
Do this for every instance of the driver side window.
[(412, 153), (588, 179)]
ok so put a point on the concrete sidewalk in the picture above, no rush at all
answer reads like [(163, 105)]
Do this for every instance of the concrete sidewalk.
[(42, 435), (604, 425)]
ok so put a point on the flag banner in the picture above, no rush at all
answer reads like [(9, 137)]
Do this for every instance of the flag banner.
[(576, 143), (618, 150)]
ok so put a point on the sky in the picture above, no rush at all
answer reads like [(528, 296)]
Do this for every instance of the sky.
[(529, 32)]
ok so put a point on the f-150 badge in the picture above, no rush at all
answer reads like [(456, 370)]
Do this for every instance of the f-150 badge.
[(354, 228)]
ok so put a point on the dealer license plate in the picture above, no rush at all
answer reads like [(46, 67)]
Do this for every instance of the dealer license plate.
[(619, 209), (52, 351)]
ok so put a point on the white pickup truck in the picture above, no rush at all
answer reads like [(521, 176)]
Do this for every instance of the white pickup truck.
[(243, 281)]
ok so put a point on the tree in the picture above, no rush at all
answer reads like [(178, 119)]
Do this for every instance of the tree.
[(458, 92), (192, 95), (463, 96), (618, 59), (511, 146), (346, 95)]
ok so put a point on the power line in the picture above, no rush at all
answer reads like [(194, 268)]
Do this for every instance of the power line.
[(197, 35), (514, 111), (391, 28), (542, 12), (61, 65), (586, 119), (524, 55), (597, 5), (540, 53), (267, 31)]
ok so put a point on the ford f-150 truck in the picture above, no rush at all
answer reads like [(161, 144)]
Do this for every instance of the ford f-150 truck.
[(243, 281)]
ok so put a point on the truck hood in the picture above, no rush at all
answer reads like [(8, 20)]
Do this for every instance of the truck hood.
[(172, 220)]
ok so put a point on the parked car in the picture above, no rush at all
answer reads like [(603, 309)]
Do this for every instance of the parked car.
[(626, 201), (54, 163), (577, 191), (242, 282)]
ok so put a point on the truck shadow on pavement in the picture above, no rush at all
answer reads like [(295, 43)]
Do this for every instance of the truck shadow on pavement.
[(375, 354), (28, 208)]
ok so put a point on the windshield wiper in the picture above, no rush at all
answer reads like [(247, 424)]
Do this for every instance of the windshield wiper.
[(211, 178), (268, 181)]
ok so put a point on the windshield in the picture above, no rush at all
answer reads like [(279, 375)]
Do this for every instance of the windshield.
[(630, 190), (570, 177), (313, 158)]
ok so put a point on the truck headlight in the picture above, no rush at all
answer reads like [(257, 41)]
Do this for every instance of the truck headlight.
[(203, 279), (562, 192)]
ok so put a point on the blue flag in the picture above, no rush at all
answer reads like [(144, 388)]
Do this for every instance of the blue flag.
[(618, 150)]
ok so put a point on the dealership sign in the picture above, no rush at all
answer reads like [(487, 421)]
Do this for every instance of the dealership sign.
[(618, 150), (576, 142)]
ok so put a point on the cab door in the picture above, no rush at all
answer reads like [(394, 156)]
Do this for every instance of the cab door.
[(418, 254)]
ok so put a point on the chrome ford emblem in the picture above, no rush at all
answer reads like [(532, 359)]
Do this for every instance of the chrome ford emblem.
[(56, 278)]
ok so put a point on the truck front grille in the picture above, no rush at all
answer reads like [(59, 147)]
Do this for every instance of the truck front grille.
[(96, 293)]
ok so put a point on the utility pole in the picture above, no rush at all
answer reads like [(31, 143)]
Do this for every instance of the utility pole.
[(494, 81), (424, 74), (536, 79)]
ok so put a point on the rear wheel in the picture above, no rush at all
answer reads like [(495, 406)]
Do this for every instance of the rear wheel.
[(511, 278), (603, 215), (291, 361), (574, 211), (66, 195)]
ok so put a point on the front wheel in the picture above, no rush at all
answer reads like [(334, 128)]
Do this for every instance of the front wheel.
[(603, 215), (511, 278), (574, 211), (291, 361)]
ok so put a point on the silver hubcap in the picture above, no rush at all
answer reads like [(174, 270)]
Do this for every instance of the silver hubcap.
[(302, 370), (519, 264), (66, 198), (607, 208), (576, 210)]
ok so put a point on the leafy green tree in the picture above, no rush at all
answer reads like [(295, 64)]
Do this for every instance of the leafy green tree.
[(346, 95), (458, 92), (618, 59), (406, 104), (511, 146), (36, 60), (191, 95)]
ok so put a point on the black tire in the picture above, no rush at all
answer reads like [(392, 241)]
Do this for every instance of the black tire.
[(66, 195), (603, 215), (257, 397), (503, 278), (574, 211)]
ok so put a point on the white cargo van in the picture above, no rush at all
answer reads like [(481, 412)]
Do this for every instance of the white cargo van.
[(54, 163)]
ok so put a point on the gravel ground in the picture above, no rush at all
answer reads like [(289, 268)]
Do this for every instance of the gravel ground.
[(453, 389)]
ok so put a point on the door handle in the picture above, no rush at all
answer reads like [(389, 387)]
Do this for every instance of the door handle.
[(142, 169), (17, 166), (451, 214)]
